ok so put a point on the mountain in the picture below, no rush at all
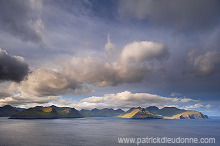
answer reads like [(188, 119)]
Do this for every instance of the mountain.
[(106, 112), (190, 115), (140, 113), (8, 110), (154, 112), (169, 111), (130, 110), (152, 109), (51, 112), (175, 113)]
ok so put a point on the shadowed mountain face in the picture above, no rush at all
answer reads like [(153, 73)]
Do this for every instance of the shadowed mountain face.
[(154, 112), (169, 111), (7, 110), (106, 112), (51, 112), (152, 109)]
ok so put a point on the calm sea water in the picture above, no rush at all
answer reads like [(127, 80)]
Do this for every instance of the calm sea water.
[(101, 131)]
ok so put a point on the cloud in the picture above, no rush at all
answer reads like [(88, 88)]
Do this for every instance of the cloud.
[(47, 82), (127, 99), (4, 94), (102, 73), (204, 64), (75, 75), (129, 67), (197, 105), (142, 51), (110, 47), (19, 99), (184, 15), (175, 94), (12, 68), (134, 97), (91, 70), (42, 86), (122, 100), (22, 19)]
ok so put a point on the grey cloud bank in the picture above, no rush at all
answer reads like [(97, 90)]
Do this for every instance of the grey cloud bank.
[(205, 64), (22, 19), (184, 15)]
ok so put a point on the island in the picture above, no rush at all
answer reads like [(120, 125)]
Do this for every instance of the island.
[(154, 112), (54, 112)]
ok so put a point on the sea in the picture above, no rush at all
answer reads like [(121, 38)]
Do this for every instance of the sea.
[(109, 131)]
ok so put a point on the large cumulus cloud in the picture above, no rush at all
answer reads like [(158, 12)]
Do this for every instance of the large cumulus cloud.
[(12, 68), (73, 76), (46, 82), (130, 66)]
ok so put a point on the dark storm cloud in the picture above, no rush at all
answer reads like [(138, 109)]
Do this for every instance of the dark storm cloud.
[(183, 15), (12, 68), (22, 19)]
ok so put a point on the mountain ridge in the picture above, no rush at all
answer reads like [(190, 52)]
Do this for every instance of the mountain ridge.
[(105, 112), (52, 112), (154, 112)]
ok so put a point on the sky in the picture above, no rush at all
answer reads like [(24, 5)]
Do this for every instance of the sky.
[(110, 53)]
